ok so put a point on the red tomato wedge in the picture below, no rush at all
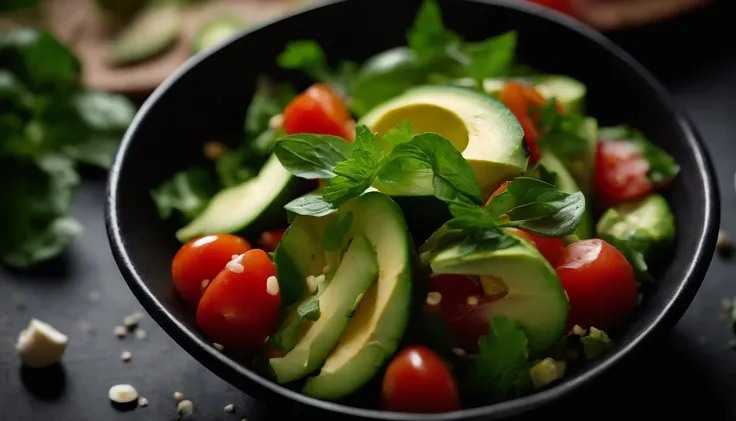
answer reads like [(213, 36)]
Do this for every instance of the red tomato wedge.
[(549, 247), (599, 282), (318, 110), (417, 380), (200, 260), (620, 173), (240, 308)]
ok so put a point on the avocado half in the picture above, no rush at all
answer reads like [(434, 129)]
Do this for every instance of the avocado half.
[(487, 134), (361, 320)]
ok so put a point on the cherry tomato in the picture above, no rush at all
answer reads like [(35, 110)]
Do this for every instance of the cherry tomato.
[(549, 247), (418, 381), (599, 282), (519, 98), (200, 260), (318, 110), (620, 173), (269, 240), (462, 308), (241, 306)]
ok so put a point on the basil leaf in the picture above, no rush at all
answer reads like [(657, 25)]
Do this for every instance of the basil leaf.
[(305, 55), (336, 231), (561, 133), (311, 204), (268, 100), (312, 156), (490, 58), (428, 37), (402, 133), (186, 192), (662, 166)]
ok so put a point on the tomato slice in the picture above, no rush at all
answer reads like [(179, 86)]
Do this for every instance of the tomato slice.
[(620, 173), (241, 306), (599, 282), (418, 381), (200, 260), (549, 247), (269, 240), (318, 110)]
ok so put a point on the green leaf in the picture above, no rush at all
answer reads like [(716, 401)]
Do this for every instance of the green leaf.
[(428, 37), (453, 179), (305, 55), (312, 156), (630, 245), (186, 192), (336, 231), (541, 173), (233, 167), (309, 311), (311, 204), (538, 207), (662, 166), (561, 133), (500, 369), (595, 343), (39, 59), (35, 211), (402, 133), (490, 58), (268, 100)]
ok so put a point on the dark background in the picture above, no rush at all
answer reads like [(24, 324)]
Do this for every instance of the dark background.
[(688, 371)]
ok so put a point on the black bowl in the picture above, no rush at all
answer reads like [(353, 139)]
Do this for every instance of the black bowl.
[(207, 98)]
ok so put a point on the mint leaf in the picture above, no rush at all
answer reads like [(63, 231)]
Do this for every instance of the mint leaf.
[(186, 192), (357, 174), (336, 231), (402, 133), (312, 156), (490, 58), (595, 343), (662, 166), (538, 207), (428, 37), (311, 204), (500, 369)]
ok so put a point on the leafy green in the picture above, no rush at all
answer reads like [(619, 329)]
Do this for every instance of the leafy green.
[(662, 166), (500, 369), (595, 343), (311, 204), (312, 156), (402, 133), (336, 231), (308, 56), (35, 219), (233, 167), (428, 37), (541, 173), (268, 100), (186, 192), (490, 58), (630, 245), (561, 133)]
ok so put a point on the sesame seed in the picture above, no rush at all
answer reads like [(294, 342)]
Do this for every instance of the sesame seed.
[(142, 402), (459, 352), (326, 269), (178, 396), (120, 331), (140, 334), (434, 298), (473, 300), (122, 393), (185, 407), (204, 283), (130, 321), (217, 346), (126, 356), (272, 285), (229, 408), (234, 267)]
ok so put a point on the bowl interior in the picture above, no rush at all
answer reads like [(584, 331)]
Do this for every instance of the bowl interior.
[(207, 100)]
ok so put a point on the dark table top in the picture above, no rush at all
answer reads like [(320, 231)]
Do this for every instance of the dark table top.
[(688, 370)]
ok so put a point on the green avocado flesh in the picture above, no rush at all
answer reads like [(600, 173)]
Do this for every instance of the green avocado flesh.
[(483, 129), (535, 299), (364, 301)]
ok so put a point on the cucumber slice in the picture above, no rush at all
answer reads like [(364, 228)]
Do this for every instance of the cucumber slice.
[(152, 31)]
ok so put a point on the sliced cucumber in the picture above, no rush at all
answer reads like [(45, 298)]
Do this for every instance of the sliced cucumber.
[(153, 29)]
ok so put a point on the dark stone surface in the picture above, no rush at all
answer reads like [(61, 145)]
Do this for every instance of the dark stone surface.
[(689, 370)]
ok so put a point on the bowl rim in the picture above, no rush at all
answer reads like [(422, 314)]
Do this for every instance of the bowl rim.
[(230, 370)]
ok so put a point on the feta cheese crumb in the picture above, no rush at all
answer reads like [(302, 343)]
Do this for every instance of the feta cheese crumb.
[(434, 298), (120, 331), (473, 300), (185, 407), (40, 345), (234, 266), (178, 396), (130, 321), (140, 334), (217, 346), (204, 284), (459, 352), (272, 285), (142, 402), (229, 408), (122, 393), (126, 356)]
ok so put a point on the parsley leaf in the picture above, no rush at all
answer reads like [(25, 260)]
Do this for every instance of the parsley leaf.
[(500, 369), (662, 166), (595, 343), (186, 192), (312, 156)]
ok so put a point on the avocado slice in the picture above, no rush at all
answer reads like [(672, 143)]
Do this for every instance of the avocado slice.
[(568, 91), (152, 30), (565, 182), (483, 129), (646, 225), (257, 203), (535, 299), (357, 271), (216, 30)]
